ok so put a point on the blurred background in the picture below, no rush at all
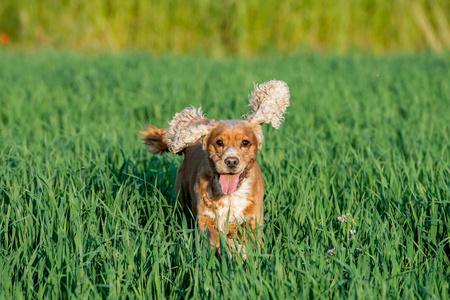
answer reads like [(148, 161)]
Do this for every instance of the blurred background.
[(227, 27)]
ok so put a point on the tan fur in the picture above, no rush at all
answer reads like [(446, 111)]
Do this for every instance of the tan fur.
[(154, 139), (209, 147)]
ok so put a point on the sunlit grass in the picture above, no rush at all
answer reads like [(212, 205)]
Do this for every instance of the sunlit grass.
[(228, 27), (86, 211)]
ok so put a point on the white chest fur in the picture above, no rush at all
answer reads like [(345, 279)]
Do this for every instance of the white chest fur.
[(232, 206)]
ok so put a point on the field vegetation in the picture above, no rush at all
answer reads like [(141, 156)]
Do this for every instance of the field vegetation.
[(228, 27), (86, 211)]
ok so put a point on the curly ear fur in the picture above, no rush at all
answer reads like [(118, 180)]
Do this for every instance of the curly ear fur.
[(187, 127), (269, 101)]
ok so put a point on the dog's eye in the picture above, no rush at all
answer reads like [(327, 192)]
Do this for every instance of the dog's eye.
[(245, 143), (219, 143)]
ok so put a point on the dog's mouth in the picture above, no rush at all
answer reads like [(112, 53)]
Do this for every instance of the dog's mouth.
[(230, 182)]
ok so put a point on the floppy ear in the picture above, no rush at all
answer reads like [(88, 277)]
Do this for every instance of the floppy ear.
[(186, 128), (257, 130), (269, 101)]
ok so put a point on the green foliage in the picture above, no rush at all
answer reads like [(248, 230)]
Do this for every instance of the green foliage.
[(87, 212), (228, 27)]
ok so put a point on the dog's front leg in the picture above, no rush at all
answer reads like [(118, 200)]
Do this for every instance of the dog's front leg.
[(212, 234), (235, 247)]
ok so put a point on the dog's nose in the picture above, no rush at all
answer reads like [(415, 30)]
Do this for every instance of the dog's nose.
[(231, 161)]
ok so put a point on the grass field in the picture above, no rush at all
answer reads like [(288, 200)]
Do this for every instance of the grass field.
[(85, 211), (221, 28)]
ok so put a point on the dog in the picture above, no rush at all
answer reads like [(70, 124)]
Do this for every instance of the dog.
[(219, 179)]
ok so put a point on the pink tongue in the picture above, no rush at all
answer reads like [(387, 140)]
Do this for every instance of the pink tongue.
[(228, 182)]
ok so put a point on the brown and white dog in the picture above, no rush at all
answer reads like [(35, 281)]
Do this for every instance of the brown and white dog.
[(219, 179)]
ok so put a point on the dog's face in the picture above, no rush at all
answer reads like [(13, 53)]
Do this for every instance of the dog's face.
[(232, 147), (268, 102)]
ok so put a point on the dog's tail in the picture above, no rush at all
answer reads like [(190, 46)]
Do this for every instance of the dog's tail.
[(155, 140)]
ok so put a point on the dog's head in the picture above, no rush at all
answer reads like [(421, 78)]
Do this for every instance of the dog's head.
[(231, 145)]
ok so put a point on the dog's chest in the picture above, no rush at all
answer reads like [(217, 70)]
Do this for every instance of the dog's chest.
[(232, 206)]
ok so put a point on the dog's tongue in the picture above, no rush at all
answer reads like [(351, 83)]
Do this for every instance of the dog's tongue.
[(228, 182)]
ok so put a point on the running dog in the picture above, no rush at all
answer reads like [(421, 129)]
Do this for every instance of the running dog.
[(219, 179)]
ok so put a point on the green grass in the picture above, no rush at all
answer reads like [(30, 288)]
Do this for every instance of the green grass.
[(220, 28), (85, 211)]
